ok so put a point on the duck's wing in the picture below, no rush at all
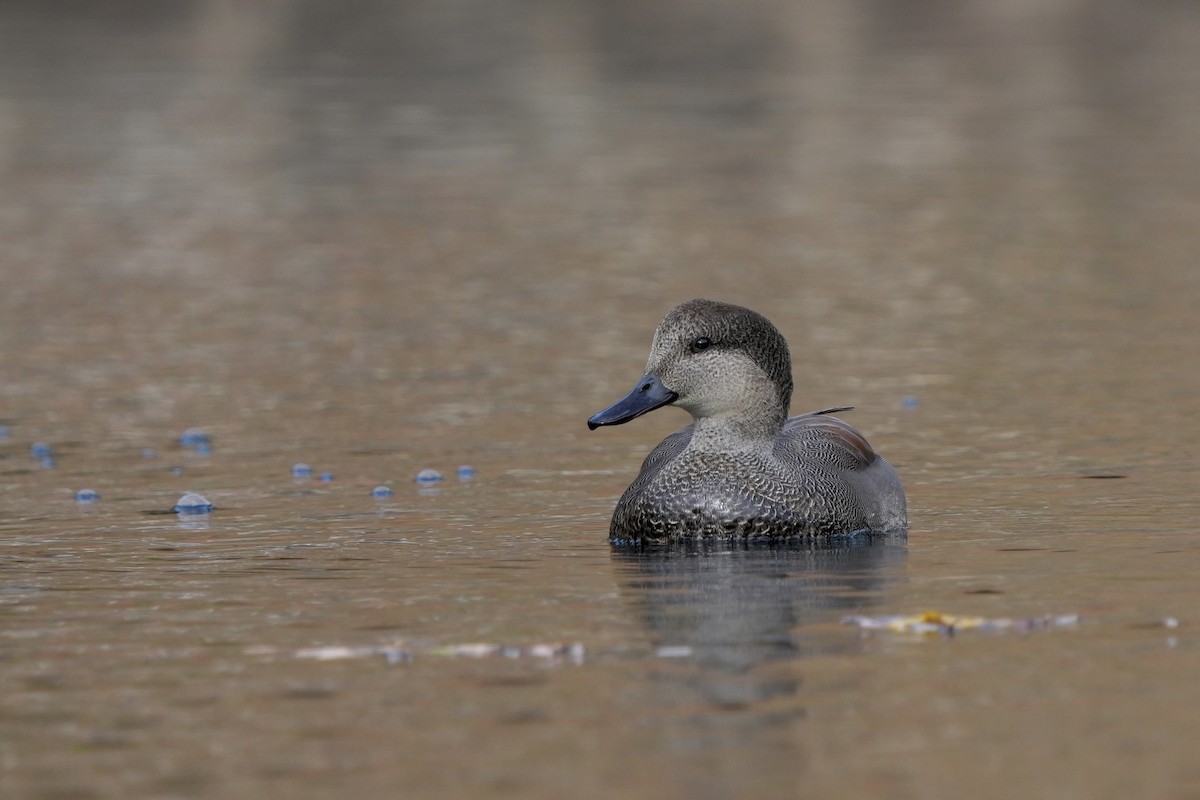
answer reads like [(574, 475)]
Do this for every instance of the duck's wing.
[(819, 436), (823, 412)]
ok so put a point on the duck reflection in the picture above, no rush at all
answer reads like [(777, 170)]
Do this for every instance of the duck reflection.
[(730, 607)]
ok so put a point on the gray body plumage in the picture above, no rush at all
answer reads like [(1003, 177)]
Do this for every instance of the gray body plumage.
[(743, 468)]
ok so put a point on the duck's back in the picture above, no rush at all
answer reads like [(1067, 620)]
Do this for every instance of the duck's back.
[(860, 486), (822, 478)]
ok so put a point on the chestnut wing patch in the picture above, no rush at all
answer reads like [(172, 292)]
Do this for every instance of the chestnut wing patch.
[(818, 428)]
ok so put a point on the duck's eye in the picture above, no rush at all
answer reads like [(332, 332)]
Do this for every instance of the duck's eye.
[(702, 343)]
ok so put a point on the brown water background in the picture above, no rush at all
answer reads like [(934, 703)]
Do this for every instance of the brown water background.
[(378, 237)]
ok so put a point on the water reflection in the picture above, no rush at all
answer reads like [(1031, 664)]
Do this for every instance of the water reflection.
[(735, 606)]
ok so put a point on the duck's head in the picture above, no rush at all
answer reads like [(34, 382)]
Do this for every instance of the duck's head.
[(713, 360)]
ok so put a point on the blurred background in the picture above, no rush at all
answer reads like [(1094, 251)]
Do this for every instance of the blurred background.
[(270, 203), (383, 236)]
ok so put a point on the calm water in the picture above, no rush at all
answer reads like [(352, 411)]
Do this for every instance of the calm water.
[(380, 237)]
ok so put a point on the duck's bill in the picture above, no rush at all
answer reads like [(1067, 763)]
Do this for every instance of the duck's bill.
[(648, 395)]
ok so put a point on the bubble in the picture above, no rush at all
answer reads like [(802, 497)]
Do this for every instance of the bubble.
[(194, 438), (5, 432), (910, 401), (197, 440), (40, 450), (466, 472), (193, 503), (47, 463), (87, 496), (149, 452), (301, 471), (327, 477), (382, 491), (427, 476)]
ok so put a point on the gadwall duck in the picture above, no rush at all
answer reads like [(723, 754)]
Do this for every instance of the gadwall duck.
[(743, 468)]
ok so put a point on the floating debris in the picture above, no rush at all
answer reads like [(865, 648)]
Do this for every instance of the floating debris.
[(675, 651), (403, 652), (193, 503), (546, 652), (394, 654), (948, 624)]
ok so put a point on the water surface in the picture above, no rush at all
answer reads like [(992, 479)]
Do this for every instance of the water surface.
[(379, 238)]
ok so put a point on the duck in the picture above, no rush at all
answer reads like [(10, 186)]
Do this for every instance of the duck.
[(743, 467)]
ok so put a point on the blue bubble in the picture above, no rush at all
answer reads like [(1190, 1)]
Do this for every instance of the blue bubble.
[(466, 472), (382, 491), (193, 503), (40, 450), (47, 463), (910, 401), (203, 448), (427, 476), (87, 496), (177, 471), (149, 452), (195, 437), (301, 471), (327, 477)]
